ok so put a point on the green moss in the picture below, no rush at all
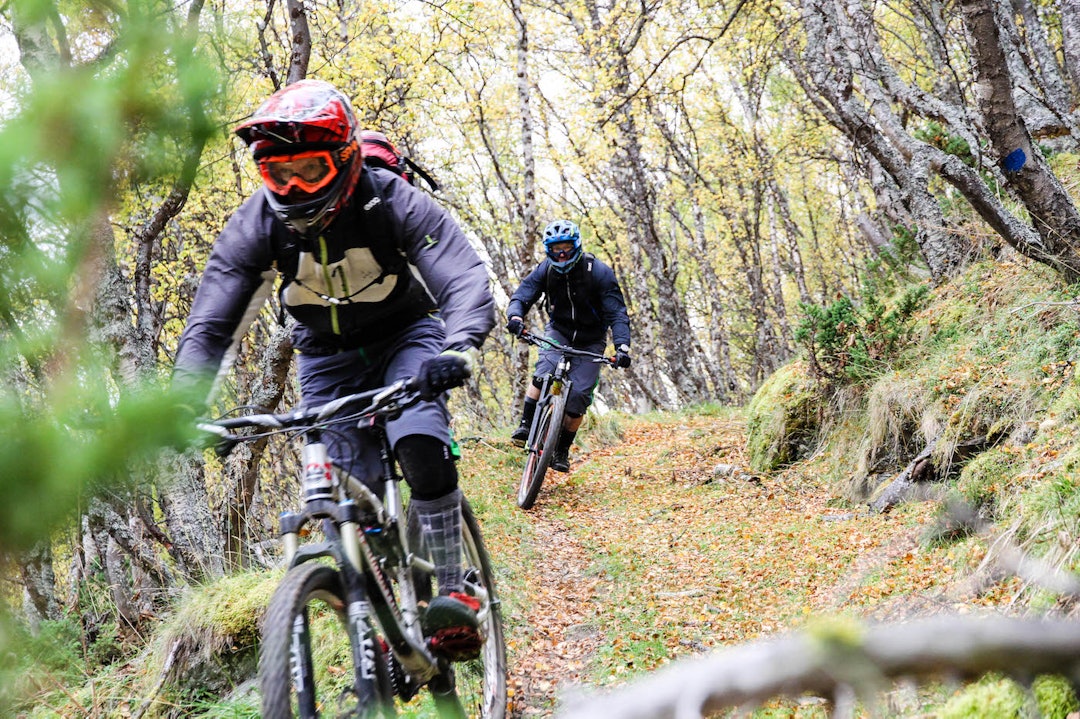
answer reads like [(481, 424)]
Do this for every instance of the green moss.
[(228, 608), (783, 418), (1055, 697), (985, 477), (1052, 696), (212, 638), (991, 697)]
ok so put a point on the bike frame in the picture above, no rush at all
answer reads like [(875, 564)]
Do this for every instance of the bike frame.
[(351, 515), (555, 382)]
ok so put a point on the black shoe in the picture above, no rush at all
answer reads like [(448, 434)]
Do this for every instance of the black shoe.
[(560, 461), (450, 624), (520, 435)]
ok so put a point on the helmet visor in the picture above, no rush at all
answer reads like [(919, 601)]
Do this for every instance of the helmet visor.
[(309, 171)]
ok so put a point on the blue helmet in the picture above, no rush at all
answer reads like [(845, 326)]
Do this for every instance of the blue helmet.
[(562, 231)]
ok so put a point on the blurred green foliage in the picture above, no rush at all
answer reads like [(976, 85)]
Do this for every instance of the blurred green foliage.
[(121, 109)]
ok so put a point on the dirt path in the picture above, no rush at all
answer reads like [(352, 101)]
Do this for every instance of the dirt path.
[(646, 553), (563, 635), (567, 620)]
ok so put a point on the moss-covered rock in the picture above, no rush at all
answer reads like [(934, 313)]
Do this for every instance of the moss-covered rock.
[(783, 418), (208, 646), (1055, 697), (991, 697)]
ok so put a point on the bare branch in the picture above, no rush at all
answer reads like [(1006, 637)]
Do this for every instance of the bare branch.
[(823, 663)]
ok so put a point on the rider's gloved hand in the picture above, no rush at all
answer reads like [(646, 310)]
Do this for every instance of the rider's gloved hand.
[(622, 356), (446, 371), (515, 326)]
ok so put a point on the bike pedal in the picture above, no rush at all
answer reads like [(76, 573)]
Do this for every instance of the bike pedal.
[(457, 644)]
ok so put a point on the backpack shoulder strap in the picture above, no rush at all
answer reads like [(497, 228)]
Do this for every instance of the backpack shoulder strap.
[(381, 234), (376, 231), (421, 172)]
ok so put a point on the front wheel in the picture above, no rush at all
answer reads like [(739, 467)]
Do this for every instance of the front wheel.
[(305, 670), (549, 425)]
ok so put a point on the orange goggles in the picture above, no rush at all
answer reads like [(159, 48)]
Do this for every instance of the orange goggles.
[(309, 171)]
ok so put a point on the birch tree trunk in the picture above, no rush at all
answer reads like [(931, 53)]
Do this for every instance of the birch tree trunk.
[(39, 582), (1069, 12), (1055, 217), (839, 667), (530, 224), (847, 74)]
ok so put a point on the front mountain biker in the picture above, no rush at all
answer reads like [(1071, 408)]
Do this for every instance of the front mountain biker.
[(584, 301), (365, 316)]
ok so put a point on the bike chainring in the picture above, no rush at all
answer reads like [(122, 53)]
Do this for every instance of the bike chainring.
[(403, 686)]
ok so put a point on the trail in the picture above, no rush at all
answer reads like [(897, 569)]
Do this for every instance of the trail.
[(664, 545)]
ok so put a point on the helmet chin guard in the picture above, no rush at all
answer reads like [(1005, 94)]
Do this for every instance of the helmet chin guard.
[(561, 232)]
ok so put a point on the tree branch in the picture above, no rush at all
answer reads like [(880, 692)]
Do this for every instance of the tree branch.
[(826, 663)]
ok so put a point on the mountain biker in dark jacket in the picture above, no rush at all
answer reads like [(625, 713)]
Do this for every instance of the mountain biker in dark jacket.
[(584, 301), (383, 285)]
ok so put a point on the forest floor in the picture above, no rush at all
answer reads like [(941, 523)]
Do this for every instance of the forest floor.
[(663, 545)]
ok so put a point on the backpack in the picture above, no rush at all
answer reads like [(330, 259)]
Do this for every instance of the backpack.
[(380, 152)]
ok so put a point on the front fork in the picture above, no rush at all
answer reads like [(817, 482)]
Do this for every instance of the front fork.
[(548, 389)]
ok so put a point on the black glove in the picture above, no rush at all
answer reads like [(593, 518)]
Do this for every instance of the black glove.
[(448, 370), (622, 357), (515, 326)]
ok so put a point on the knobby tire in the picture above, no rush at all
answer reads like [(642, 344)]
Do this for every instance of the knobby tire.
[(540, 455), (291, 684)]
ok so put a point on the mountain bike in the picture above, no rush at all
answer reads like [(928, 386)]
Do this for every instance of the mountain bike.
[(548, 418), (367, 579)]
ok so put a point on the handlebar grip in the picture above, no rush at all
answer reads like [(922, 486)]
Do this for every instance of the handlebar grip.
[(225, 445), (222, 442)]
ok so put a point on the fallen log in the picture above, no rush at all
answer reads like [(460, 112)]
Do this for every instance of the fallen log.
[(834, 663), (912, 481)]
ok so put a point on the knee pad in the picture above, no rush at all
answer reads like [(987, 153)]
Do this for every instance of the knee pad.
[(574, 415), (538, 382), (427, 466)]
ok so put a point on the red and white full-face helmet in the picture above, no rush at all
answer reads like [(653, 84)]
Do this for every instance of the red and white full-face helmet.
[(304, 139)]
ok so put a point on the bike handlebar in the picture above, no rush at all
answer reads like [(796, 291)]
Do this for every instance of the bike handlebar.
[(382, 402), (548, 343)]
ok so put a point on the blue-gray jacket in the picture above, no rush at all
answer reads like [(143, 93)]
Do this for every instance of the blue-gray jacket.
[(365, 279), (581, 304)]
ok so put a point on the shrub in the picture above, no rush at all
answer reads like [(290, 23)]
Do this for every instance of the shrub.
[(849, 342)]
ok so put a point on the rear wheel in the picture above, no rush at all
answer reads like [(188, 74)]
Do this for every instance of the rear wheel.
[(540, 454), (480, 684), (305, 669)]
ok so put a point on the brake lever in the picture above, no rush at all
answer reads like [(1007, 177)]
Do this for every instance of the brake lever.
[(224, 442)]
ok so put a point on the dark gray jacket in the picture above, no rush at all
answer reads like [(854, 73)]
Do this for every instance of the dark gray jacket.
[(582, 303), (370, 274)]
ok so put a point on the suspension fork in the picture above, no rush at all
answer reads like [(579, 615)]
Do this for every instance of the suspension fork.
[(359, 609), (543, 401), (394, 505)]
